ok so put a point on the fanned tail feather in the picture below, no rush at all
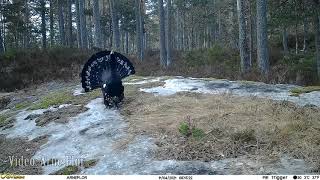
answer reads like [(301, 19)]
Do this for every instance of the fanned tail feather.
[(103, 67)]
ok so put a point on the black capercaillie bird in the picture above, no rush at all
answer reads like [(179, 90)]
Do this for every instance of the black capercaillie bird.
[(105, 70)]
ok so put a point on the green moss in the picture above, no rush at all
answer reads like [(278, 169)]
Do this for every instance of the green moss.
[(85, 98), (3, 119), (6, 120), (53, 99), (68, 170), (89, 96), (90, 163), (308, 89), (93, 94), (22, 105)]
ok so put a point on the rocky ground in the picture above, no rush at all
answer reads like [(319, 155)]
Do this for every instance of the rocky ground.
[(166, 125)]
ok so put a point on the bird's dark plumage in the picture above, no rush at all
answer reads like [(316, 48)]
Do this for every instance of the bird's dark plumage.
[(106, 70)]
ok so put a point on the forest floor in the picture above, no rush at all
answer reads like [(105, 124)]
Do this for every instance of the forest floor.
[(166, 125)]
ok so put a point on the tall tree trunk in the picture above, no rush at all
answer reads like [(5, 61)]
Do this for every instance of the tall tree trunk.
[(168, 33), (115, 26), (133, 45), (145, 40), (127, 42), (3, 27), (219, 26), (2, 33), (178, 29), (43, 24), (163, 52), (1, 42), (142, 29), (139, 32), (183, 41), (69, 23), (123, 41), (111, 36), (296, 38), (90, 25), (262, 37), (27, 32), (243, 36), (192, 41), (61, 23), (79, 41), (296, 27), (83, 25), (285, 40), (250, 36), (126, 48), (317, 33), (51, 24), (305, 34), (97, 26)]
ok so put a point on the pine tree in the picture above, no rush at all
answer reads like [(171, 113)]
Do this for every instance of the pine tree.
[(163, 52), (262, 37)]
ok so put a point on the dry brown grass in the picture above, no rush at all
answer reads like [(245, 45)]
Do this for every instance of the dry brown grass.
[(20, 148), (234, 126)]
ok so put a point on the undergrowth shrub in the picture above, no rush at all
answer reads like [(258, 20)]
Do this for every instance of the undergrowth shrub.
[(20, 69), (297, 69), (188, 129)]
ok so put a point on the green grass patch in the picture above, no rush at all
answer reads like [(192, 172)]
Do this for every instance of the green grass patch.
[(184, 129), (198, 133), (308, 89), (90, 163), (22, 105), (94, 94), (85, 98), (188, 131), (3, 119), (53, 99), (65, 97), (68, 170)]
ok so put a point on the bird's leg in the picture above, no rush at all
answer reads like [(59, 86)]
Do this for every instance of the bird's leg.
[(107, 100), (121, 97)]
